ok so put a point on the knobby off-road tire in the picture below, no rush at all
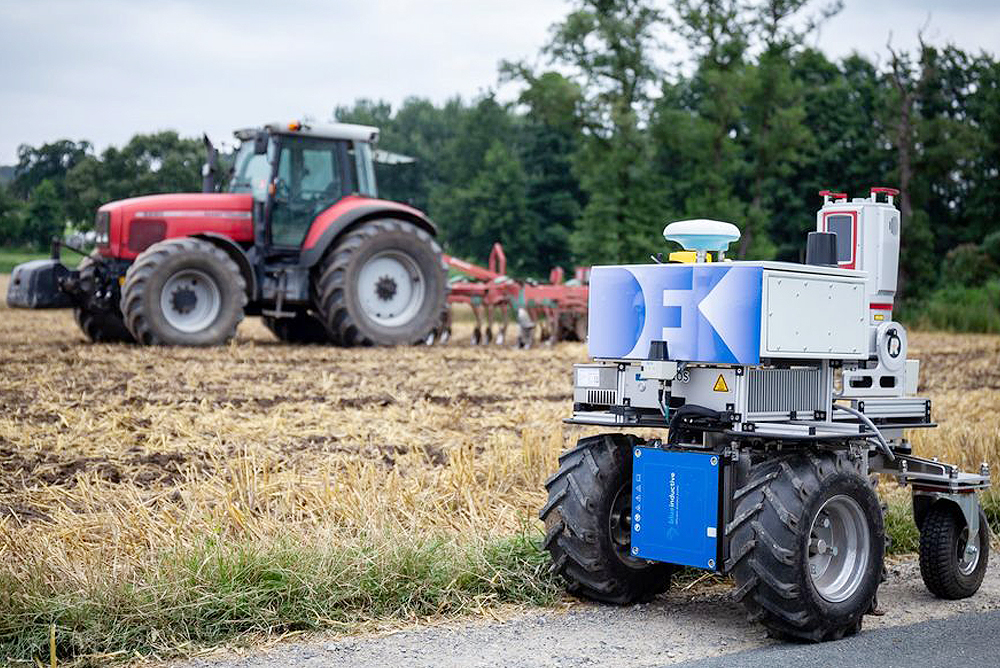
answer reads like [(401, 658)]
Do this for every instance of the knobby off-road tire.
[(99, 324), (382, 284), (184, 292), (787, 575), (588, 524), (948, 570), (302, 328)]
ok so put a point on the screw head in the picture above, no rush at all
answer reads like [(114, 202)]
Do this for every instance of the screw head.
[(714, 461), (711, 563), (636, 527), (635, 550), (638, 453)]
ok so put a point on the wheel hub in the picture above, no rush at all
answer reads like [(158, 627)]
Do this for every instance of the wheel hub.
[(391, 288), (183, 300), (968, 554), (620, 527), (190, 300), (838, 548), (385, 288)]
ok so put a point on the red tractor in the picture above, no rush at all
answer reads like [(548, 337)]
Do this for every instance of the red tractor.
[(300, 239)]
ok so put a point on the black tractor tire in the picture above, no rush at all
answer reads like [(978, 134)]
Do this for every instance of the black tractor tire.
[(588, 524), (777, 510), (100, 323), (302, 328), (943, 539), (338, 293), (211, 269)]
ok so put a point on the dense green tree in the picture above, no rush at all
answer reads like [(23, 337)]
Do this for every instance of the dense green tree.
[(11, 218), (493, 207), (44, 217), (49, 162), (609, 45)]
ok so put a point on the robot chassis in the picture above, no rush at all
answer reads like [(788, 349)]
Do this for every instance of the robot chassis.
[(785, 389)]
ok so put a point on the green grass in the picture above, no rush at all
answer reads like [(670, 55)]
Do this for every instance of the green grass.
[(219, 591), (11, 257), (956, 309)]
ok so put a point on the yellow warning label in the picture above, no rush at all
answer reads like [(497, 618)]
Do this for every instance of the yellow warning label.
[(720, 385)]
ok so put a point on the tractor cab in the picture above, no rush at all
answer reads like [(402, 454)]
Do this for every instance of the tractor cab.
[(296, 171)]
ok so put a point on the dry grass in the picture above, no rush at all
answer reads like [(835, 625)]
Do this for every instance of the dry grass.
[(117, 460)]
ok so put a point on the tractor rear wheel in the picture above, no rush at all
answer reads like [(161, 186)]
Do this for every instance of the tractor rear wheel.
[(302, 328), (101, 322), (951, 567), (588, 524), (382, 284), (184, 292), (807, 545)]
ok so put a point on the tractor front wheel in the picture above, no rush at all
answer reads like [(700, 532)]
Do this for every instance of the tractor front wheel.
[(807, 545), (588, 524), (184, 292)]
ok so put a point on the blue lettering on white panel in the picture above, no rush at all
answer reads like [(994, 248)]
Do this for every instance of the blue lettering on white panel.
[(705, 312)]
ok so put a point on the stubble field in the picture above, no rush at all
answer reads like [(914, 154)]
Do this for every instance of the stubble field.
[(153, 500)]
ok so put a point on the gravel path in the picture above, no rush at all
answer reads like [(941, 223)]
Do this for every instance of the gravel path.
[(680, 627)]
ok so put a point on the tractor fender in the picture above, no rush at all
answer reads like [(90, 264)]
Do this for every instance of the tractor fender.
[(238, 255), (336, 220)]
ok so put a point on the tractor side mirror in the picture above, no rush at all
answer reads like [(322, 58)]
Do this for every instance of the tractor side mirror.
[(260, 143)]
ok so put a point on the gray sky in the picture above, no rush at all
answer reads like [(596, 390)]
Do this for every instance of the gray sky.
[(104, 70)]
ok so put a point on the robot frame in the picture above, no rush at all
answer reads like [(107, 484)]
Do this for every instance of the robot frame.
[(785, 389)]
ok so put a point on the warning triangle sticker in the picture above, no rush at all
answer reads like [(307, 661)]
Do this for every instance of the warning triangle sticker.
[(720, 385)]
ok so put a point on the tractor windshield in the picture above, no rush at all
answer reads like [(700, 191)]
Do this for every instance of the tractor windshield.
[(251, 171)]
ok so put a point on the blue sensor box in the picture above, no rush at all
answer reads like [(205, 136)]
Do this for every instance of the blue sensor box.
[(675, 506)]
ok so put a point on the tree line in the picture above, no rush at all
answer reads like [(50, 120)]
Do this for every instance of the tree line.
[(602, 146)]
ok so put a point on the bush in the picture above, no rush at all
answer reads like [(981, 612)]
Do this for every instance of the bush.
[(967, 265), (956, 308)]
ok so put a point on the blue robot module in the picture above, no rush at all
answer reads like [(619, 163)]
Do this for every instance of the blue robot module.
[(783, 388)]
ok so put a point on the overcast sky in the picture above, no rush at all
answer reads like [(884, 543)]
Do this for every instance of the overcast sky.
[(104, 70)]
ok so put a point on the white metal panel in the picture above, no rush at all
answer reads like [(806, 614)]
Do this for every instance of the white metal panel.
[(813, 317), (888, 252)]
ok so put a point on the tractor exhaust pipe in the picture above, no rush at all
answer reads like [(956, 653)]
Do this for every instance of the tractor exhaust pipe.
[(209, 169)]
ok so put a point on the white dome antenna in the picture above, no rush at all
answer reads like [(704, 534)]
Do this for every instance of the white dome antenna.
[(702, 235)]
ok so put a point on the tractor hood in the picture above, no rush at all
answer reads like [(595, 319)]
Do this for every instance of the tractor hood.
[(129, 226), (184, 202)]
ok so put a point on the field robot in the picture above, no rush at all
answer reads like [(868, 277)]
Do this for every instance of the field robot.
[(785, 389)]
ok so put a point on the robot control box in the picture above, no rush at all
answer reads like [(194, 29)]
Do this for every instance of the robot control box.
[(675, 506)]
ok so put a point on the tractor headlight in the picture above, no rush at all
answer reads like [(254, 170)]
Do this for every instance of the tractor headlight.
[(102, 228)]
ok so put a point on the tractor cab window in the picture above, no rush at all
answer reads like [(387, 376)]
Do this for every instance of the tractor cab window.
[(362, 154), (843, 226), (308, 180), (251, 171)]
